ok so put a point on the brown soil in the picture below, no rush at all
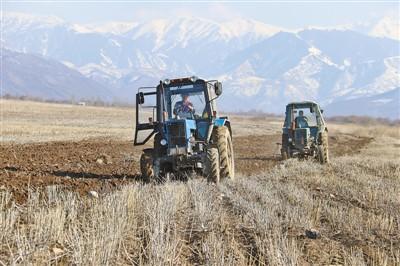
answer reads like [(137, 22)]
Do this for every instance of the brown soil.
[(103, 165)]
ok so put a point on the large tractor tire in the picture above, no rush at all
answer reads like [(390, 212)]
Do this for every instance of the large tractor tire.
[(212, 166), (146, 165), (224, 144), (323, 149)]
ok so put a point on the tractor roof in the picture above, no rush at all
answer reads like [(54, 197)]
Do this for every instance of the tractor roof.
[(180, 81), (303, 103)]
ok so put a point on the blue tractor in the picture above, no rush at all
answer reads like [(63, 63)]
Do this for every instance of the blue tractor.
[(305, 133), (189, 135)]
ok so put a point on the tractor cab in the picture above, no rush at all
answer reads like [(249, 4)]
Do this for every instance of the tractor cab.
[(303, 122), (303, 130), (180, 110), (181, 114), (189, 110)]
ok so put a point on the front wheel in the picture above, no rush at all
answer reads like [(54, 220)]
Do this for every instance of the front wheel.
[(212, 166), (284, 154), (285, 150), (146, 165)]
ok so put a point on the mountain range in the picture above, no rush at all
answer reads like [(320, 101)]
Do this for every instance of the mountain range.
[(262, 66), (38, 77)]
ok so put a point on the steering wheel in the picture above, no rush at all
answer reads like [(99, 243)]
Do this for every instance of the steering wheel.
[(192, 115)]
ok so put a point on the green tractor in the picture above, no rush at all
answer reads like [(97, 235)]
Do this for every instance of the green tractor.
[(305, 134), (189, 136)]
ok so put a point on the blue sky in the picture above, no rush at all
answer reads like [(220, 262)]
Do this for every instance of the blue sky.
[(289, 15)]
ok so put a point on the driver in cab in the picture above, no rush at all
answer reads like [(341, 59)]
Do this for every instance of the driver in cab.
[(301, 120), (184, 108)]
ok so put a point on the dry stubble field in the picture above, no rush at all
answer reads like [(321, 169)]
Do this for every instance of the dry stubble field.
[(52, 155)]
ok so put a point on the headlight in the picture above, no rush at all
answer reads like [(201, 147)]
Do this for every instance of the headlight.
[(163, 142), (193, 79), (167, 81), (290, 139)]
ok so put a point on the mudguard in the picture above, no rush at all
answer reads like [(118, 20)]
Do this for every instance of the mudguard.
[(219, 122), (223, 121)]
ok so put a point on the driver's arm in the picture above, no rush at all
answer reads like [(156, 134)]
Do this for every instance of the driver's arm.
[(190, 105), (304, 121), (176, 107)]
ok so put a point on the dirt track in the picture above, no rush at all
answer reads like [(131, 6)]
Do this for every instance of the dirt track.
[(103, 165)]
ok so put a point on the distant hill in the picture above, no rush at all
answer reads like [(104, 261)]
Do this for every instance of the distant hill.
[(35, 76), (382, 105)]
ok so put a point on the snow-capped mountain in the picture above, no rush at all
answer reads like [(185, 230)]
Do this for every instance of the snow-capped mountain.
[(119, 53), (388, 26), (129, 45), (313, 64), (18, 22), (32, 75), (262, 66)]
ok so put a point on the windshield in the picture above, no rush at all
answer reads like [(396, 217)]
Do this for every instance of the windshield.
[(186, 102), (304, 118)]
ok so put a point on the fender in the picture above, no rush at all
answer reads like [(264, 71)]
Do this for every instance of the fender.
[(219, 122), (223, 121)]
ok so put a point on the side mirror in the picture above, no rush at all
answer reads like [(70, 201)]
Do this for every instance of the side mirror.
[(218, 88), (322, 111), (140, 98)]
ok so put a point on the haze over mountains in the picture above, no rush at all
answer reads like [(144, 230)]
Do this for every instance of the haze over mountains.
[(34, 76), (262, 66)]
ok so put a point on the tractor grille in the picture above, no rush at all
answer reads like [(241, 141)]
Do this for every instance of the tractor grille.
[(301, 136), (176, 134)]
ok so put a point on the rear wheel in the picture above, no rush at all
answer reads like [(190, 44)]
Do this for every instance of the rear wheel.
[(146, 165), (212, 166), (323, 150), (225, 147)]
